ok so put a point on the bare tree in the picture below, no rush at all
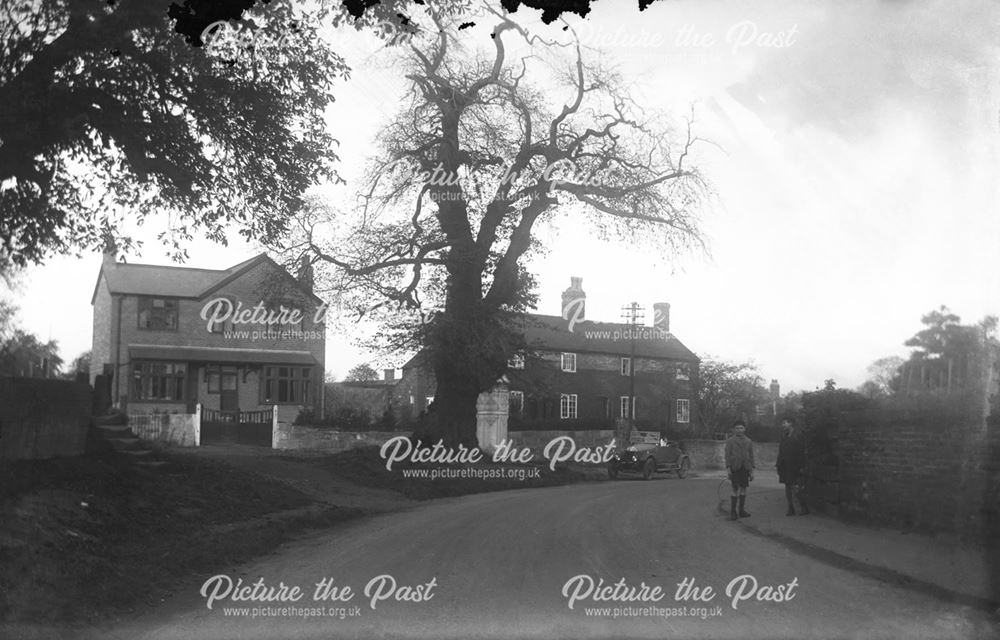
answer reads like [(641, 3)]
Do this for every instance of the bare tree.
[(477, 159), (883, 377)]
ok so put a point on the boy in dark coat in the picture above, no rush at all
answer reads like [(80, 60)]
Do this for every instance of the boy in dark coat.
[(791, 465)]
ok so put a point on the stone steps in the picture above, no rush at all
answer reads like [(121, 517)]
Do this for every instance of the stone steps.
[(122, 440)]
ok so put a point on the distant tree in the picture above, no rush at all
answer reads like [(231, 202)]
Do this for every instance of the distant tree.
[(949, 355), (870, 389), (883, 377), (361, 373), (727, 391), (790, 404), (23, 354), (80, 364), (8, 312), (829, 384), (944, 335)]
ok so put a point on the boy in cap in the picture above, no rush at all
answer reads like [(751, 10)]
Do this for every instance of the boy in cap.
[(740, 466)]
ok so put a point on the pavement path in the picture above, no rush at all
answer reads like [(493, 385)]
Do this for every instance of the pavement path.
[(500, 562)]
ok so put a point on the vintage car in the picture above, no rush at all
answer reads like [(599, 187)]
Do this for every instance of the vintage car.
[(649, 458)]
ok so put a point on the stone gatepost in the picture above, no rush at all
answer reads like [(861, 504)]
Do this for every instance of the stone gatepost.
[(492, 409)]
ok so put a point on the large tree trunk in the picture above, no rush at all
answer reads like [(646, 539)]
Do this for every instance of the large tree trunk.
[(466, 355), (453, 418)]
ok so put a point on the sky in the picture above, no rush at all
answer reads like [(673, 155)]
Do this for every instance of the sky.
[(852, 156)]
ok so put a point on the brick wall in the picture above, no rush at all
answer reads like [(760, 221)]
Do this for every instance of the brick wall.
[(537, 440), (42, 418), (925, 475), (103, 325), (370, 398), (711, 454), (290, 436), (933, 474)]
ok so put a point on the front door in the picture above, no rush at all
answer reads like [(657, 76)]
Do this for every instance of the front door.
[(228, 397)]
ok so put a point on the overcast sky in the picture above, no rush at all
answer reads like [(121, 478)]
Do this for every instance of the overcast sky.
[(854, 165)]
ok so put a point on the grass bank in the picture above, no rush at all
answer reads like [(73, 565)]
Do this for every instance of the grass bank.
[(98, 537)]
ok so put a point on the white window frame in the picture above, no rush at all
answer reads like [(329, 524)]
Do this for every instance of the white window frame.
[(567, 406), (626, 367), (622, 404), (683, 411), (683, 372), (568, 357)]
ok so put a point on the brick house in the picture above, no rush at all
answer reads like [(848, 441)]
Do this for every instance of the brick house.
[(579, 370), (157, 350)]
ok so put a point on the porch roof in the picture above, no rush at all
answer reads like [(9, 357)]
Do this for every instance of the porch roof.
[(220, 354)]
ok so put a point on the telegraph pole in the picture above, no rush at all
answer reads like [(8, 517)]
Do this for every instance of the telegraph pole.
[(632, 313)]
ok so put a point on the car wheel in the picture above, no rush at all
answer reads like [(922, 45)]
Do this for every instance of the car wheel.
[(684, 468), (648, 469), (613, 471)]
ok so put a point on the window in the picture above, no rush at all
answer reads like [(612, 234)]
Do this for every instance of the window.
[(624, 413), (287, 385), (569, 362), (157, 314), (626, 366), (516, 403), (683, 410), (220, 378), (158, 381), (220, 327), (682, 372), (300, 312), (605, 403), (517, 361), (567, 405)]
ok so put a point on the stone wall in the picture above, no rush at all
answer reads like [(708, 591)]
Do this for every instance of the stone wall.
[(294, 436), (42, 418)]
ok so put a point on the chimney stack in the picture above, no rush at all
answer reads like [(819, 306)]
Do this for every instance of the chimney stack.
[(775, 389), (661, 317), (389, 375), (305, 275), (110, 252), (574, 301)]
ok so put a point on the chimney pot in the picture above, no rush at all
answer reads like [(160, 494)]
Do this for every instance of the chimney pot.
[(389, 374), (574, 301), (661, 317)]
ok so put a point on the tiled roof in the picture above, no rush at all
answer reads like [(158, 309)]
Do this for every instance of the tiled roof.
[(552, 333), (175, 282), (148, 279)]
